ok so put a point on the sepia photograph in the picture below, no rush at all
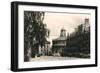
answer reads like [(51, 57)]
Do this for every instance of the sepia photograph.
[(52, 36)]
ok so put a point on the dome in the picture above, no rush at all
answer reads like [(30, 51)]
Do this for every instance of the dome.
[(63, 29), (63, 33)]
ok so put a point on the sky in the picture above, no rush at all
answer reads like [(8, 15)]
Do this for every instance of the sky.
[(69, 21)]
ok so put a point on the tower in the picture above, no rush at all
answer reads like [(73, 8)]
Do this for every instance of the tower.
[(86, 25), (87, 21), (63, 33)]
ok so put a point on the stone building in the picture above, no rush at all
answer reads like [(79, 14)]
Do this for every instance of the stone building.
[(59, 43)]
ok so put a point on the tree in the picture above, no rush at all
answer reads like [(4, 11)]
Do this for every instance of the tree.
[(35, 32)]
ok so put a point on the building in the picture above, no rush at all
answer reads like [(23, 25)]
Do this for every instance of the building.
[(45, 50), (38, 50), (59, 43), (78, 42)]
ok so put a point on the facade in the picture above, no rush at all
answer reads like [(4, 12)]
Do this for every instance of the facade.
[(60, 43)]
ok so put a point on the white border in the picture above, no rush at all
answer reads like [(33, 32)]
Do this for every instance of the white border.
[(22, 64)]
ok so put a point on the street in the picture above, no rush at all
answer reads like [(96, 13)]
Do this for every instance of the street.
[(52, 58)]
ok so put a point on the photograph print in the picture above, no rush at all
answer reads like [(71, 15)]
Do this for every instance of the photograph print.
[(52, 36), (56, 36)]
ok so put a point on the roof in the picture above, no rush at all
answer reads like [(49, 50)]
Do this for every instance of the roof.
[(59, 38)]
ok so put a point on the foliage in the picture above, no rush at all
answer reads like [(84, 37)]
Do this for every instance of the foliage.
[(35, 32)]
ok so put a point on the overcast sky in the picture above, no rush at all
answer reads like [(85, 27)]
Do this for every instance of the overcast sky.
[(56, 21)]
